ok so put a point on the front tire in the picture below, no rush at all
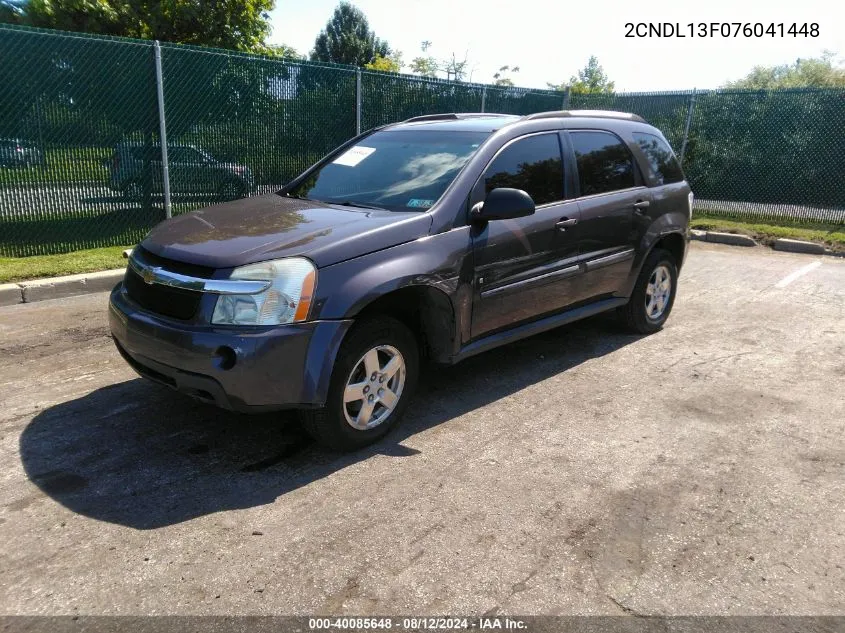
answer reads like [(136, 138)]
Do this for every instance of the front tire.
[(231, 190), (653, 295), (373, 379)]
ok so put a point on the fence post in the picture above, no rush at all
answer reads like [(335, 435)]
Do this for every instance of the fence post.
[(686, 127), (162, 131), (565, 105), (483, 98), (358, 102)]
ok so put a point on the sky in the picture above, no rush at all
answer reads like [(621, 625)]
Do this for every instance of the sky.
[(551, 40)]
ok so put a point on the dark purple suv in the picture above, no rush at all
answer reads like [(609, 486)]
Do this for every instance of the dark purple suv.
[(432, 239)]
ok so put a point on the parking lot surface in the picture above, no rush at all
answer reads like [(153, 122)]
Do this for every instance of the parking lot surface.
[(700, 470)]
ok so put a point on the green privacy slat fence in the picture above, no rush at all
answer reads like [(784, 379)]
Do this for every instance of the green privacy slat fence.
[(80, 154)]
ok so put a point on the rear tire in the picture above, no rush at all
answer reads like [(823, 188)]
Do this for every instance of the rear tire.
[(653, 295), (374, 377)]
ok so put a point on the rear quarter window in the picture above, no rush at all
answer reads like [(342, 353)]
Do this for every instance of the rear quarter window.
[(605, 163), (664, 165)]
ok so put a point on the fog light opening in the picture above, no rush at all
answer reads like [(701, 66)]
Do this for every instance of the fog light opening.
[(225, 357)]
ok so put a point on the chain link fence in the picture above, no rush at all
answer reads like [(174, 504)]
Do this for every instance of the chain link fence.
[(81, 160)]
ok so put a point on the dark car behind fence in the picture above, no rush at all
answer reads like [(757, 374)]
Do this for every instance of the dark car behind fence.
[(237, 124)]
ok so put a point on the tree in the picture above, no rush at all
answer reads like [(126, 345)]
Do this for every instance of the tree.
[(590, 80), (241, 25), (392, 64), (428, 66), (501, 79), (817, 72), (347, 39), (279, 51)]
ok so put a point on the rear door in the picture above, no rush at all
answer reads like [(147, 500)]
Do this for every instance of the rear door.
[(611, 197), (524, 266)]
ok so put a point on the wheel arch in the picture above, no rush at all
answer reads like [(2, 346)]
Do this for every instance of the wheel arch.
[(673, 241), (425, 310)]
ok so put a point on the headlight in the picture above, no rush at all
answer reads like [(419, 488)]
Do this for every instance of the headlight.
[(287, 300)]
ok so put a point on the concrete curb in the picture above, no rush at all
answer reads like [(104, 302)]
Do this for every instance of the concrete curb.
[(59, 287), (10, 294), (798, 246), (781, 244), (733, 239)]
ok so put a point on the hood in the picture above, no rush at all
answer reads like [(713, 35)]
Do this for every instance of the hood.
[(271, 226)]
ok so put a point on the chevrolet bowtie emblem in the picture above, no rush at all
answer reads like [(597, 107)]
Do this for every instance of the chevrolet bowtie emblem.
[(148, 275)]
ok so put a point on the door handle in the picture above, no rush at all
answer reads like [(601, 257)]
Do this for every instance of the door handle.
[(566, 222), (641, 205)]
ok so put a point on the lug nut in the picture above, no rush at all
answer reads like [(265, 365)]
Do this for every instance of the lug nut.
[(366, 389), (381, 392), (370, 398)]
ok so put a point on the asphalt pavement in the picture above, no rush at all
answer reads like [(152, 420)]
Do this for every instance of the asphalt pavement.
[(697, 471)]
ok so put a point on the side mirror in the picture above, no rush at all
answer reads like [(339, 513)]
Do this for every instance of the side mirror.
[(503, 203)]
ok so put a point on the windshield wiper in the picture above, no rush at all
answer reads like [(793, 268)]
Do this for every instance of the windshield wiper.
[(357, 205)]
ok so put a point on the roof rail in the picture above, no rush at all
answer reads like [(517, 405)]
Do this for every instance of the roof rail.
[(453, 116), (596, 114)]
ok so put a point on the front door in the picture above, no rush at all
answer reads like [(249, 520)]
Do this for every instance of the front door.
[(612, 197), (524, 266)]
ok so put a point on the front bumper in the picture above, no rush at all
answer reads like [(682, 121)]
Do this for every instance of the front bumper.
[(287, 366)]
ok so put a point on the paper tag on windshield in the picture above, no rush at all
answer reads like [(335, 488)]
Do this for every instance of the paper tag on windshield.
[(354, 155)]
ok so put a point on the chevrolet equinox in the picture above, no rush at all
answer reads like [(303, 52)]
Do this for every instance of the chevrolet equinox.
[(432, 239)]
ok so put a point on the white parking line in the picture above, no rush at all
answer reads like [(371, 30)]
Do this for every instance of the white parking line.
[(783, 283)]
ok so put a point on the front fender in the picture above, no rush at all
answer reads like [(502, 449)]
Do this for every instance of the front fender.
[(440, 262)]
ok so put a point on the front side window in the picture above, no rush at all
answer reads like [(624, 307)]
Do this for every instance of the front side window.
[(604, 162), (399, 170), (533, 164), (664, 165)]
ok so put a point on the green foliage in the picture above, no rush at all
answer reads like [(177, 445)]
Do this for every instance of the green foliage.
[(768, 147), (425, 66), (347, 39), (818, 72), (392, 64), (590, 80), (501, 78), (232, 24), (279, 51)]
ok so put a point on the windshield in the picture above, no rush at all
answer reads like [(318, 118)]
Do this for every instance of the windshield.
[(396, 170)]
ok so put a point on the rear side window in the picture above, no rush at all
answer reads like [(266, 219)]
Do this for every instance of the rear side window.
[(604, 162), (533, 164), (664, 165)]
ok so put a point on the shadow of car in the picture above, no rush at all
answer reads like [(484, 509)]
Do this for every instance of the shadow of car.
[(115, 456)]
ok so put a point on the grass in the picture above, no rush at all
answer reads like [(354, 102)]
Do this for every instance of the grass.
[(20, 268), (766, 232), (64, 167)]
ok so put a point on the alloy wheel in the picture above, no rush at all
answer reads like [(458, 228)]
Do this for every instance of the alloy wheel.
[(374, 387), (657, 292)]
